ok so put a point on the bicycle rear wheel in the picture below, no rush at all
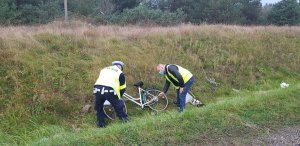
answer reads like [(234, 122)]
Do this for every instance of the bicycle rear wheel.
[(110, 112), (193, 100), (157, 103)]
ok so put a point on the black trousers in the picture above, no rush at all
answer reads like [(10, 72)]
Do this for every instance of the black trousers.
[(113, 99)]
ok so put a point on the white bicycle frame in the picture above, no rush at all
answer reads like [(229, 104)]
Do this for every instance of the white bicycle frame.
[(135, 100)]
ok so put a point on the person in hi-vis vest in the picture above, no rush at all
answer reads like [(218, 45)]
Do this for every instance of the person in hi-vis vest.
[(180, 78), (110, 85)]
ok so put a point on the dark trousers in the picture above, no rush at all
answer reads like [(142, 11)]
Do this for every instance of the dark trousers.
[(182, 96), (113, 99)]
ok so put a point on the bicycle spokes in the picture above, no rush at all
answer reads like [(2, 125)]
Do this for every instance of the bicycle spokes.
[(157, 103)]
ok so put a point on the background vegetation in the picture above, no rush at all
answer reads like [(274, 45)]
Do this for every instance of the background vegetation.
[(47, 75), (162, 12)]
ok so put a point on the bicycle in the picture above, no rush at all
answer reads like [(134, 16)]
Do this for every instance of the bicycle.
[(147, 98), (191, 98)]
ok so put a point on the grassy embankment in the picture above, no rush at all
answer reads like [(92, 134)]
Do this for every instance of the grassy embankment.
[(47, 74)]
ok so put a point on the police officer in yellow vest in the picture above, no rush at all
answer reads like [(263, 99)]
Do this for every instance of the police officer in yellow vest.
[(181, 79), (110, 85)]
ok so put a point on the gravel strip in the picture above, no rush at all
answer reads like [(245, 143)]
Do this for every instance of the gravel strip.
[(284, 137)]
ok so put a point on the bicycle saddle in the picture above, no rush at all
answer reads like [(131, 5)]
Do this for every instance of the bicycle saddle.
[(138, 84)]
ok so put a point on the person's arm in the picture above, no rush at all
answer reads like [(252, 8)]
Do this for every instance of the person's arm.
[(166, 87), (122, 84), (175, 72)]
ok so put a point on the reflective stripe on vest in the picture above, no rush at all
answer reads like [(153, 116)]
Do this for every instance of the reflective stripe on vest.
[(186, 75), (109, 77)]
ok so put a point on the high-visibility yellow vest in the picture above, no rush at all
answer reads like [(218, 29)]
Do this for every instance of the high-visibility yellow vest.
[(109, 77), (186, 75)]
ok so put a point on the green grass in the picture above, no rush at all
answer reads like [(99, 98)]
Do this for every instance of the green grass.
[(238, 118), (47, 74)]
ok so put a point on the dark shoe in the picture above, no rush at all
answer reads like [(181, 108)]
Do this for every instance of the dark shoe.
[(101, 125), (125, 119), (200, 105), (180, 110), (177, 103)]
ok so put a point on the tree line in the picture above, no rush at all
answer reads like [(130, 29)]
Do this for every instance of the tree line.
[(162, 12)]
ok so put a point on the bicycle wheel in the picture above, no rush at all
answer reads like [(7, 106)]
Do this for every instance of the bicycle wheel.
[(109, 111), (157, 103)]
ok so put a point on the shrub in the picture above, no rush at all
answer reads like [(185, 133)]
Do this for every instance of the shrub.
[(145, 15)]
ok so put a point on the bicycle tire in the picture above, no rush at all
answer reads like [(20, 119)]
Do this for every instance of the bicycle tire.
[(110, 112), (158, 103)]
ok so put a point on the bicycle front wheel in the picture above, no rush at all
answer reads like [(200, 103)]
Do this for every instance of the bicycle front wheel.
[(157, 103)]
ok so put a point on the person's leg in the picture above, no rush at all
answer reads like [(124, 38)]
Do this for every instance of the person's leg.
[(99, 101), (182, 101), (119, 107), (178, 99), (182, 96)]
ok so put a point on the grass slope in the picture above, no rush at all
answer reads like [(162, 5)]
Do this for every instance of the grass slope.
[(235, 120), (47, 74)]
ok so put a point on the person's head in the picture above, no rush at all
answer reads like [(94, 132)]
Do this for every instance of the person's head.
[(119, 64), (161, 69)]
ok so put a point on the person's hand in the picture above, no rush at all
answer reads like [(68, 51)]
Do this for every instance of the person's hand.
[(180, 90), (161, 94)]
